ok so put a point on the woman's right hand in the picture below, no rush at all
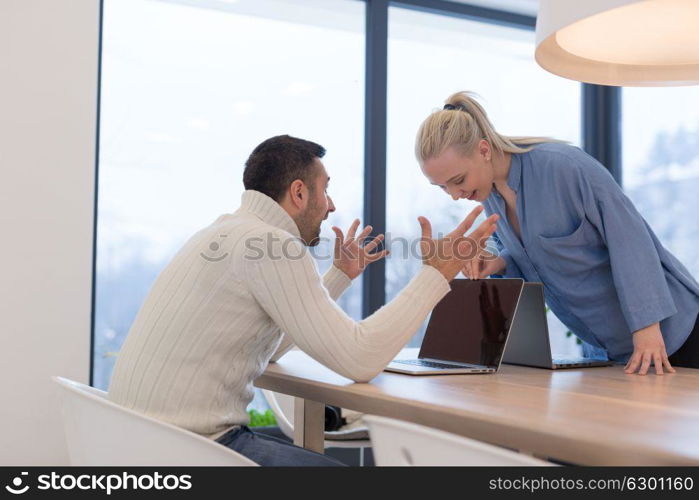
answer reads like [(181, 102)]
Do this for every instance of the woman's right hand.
[(483, 265)]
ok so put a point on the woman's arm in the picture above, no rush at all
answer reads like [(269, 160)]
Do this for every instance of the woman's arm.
[(510, 269), (499, 263), (637, 272)]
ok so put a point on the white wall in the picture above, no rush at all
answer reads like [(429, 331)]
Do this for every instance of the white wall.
[(48, 105)]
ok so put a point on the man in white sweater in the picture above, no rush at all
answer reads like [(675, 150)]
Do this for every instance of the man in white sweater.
[(244, 290)]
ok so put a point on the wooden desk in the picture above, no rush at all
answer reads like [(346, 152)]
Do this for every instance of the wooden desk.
[(592, 416)]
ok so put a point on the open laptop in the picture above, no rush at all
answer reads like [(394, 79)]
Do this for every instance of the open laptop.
[(467, 331), (529, 343)]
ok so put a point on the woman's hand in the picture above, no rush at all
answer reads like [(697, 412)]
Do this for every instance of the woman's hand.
[(483, 266), (350, 256), (648, 347)]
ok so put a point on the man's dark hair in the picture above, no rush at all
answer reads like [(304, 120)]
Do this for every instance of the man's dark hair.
[(279, 161)]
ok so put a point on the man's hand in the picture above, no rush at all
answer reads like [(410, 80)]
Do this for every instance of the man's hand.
[(648, 347), (449, 254), (484, 265), (351, 257)]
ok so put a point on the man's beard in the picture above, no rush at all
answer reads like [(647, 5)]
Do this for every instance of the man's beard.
[(309, 224)]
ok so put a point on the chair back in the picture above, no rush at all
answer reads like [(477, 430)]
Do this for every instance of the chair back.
[(102, 433), (402, 443), (282, 405)]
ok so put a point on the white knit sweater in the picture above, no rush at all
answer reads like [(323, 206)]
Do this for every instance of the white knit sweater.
[(214, 319)]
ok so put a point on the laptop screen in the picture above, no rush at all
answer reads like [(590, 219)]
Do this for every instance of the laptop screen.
[(471, 323)]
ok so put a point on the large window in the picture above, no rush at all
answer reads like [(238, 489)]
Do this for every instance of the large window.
[(660, 128), (430, 57), (190, 87), (188, 90)]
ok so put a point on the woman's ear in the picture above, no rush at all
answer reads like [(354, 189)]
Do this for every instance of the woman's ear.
[(484, 149)]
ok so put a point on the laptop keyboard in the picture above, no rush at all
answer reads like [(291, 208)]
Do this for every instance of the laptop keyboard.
[(430, 364)]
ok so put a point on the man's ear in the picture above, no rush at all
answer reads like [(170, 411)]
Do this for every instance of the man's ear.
[(298, 194)]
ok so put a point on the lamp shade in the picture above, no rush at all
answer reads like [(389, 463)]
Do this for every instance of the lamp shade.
[(639, 43)]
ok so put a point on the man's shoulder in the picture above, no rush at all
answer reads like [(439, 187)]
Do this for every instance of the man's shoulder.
[(259, 241), (248, 224)]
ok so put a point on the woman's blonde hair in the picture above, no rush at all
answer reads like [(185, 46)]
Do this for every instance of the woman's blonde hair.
[(463, 127)]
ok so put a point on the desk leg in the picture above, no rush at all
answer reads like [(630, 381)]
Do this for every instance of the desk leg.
[(309, 424)]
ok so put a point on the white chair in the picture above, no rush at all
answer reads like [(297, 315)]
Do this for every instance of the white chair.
[(282, 405), (401, 443), (100, 432)]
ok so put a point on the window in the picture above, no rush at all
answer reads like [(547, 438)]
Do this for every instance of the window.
[(188, 90), (430, 57), (660, 130)]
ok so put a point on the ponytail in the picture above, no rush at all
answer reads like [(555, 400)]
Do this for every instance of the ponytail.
[(462, 124)]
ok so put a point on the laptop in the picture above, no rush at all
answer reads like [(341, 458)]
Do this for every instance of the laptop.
[(467, 331), (529, 343)]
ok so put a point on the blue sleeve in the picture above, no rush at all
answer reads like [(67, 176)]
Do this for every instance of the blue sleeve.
[(637, 272), (511, 268)]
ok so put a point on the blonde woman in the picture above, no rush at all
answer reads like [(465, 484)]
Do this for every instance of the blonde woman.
[(566, 223)]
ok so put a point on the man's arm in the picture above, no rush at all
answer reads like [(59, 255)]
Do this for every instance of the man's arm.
[(290, 291), (335, 282)]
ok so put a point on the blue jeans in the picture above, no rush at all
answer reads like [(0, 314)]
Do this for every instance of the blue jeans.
[(269, 451)]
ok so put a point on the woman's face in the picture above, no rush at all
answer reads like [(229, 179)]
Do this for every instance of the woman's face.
[(462, 176)]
